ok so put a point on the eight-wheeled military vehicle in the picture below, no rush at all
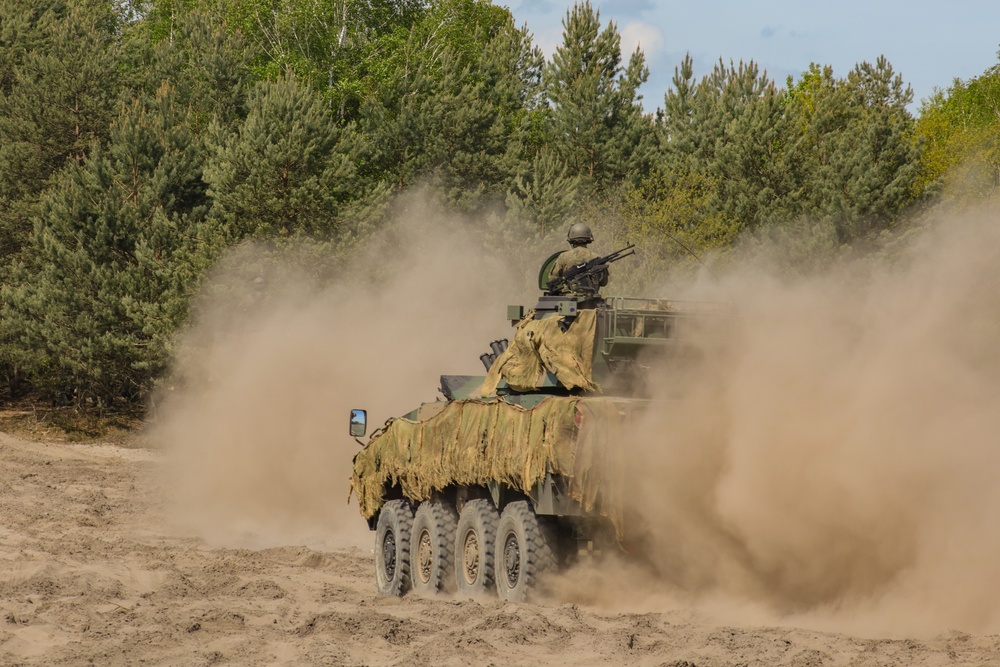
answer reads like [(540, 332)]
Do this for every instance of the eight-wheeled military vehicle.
[(516, 472)]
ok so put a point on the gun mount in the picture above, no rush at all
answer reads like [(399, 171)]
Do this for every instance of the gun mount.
[(585, 278)]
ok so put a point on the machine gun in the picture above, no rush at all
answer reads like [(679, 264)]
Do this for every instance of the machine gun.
[(587, 277)]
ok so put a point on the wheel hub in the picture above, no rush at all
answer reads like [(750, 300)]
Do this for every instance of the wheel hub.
[(512, 560), (425, 558), (470, 558), (389, 555)]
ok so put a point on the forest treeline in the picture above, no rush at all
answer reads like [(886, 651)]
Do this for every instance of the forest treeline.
[(141, 140)]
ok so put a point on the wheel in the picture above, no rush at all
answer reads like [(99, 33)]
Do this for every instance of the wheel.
[(432, 547), (525, 547), (475, 539), (392, 548)]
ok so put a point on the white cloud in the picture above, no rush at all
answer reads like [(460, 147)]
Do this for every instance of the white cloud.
[(646, 36), (548, 39)]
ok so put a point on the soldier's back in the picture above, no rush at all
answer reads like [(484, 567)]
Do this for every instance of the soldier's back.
[(571, 258)]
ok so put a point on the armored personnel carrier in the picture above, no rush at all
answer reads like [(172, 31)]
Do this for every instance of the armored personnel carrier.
[(516, 472)]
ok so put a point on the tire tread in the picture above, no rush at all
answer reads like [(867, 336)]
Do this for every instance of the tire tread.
[(443, 520), (537, 557), (399, 512), (479, 512)]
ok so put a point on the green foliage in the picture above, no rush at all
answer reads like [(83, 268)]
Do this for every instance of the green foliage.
[(697, 113), (118, 245), (328, 44), (286, 170), (206, 66), (545, 197), (730, 132), (753, 166), (671, 203), (457, 114), (59, 91), (859, 159), (139, 139), (162, 17), (596, 122), (961, 132), (839, 151)]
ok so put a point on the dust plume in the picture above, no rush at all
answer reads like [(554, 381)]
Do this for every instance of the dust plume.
[(832, 459), (835, 455), (257, 415)]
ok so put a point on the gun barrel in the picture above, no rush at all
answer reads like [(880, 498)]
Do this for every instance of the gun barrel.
[(618, 254), (589, 268)]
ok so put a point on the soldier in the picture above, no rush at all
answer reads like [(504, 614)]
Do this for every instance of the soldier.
[(579, 237)]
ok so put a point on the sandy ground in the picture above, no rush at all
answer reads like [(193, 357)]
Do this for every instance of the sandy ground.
[(94, 573)]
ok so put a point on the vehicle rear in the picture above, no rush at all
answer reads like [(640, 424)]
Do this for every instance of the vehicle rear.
[(520, 472)]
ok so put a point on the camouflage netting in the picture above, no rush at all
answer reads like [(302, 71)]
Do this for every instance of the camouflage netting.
[(542, 345), (474, 442)]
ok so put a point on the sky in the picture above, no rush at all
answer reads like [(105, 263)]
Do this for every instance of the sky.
[(929, 42)]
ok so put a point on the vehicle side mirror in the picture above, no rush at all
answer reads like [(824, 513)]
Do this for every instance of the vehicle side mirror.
[(359, 423)]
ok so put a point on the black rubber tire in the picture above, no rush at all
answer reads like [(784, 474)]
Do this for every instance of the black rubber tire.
[(475, 540), (392, 548), (432, 548), (525, 551)]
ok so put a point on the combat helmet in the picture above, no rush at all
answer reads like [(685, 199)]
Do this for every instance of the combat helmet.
[(579, 233)]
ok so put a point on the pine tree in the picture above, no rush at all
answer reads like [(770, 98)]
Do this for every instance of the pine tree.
[(118, 245), (206, 66), (544, 197), (60, 95), (681, 133), (730, 130), (458, 112), (287, 170), (860, 158), (596, 122), (754, 165)]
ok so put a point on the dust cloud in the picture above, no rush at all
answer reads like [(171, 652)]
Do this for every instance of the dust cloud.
[(832, 461), (834, 458), (256, 416)]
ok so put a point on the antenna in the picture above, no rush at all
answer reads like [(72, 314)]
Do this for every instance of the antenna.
[(693, 254)]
